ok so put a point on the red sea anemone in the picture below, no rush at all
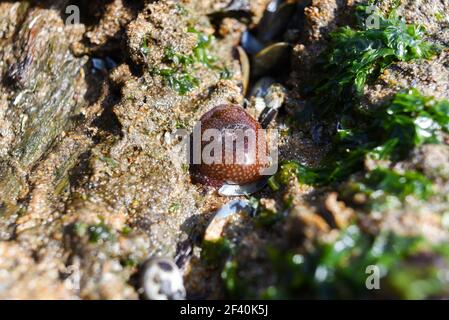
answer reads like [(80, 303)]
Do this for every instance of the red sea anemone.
[(227, 167)]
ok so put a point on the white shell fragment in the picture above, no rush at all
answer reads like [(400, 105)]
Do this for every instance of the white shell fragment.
[(233, 190), (274, 99), (161, 279), (275, 96), (233, 207), (222, 216)]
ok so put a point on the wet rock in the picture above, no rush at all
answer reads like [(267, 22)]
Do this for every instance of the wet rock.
[(49, 87), (433, 160)]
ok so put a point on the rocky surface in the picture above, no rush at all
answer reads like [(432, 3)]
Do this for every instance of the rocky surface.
[(93, 181)]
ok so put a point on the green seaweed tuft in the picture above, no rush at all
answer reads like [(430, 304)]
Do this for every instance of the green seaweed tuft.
[(357, 55)]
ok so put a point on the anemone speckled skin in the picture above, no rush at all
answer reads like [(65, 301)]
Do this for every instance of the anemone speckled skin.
[(225, 117)]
